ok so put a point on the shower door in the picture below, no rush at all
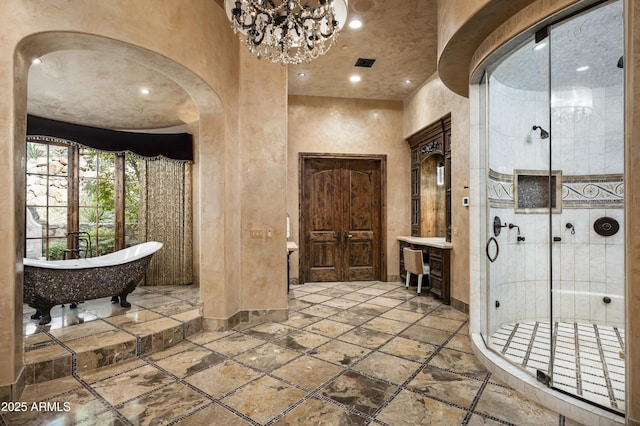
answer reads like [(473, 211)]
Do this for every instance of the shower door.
[(555, 207), (519, 164), (586, 240)]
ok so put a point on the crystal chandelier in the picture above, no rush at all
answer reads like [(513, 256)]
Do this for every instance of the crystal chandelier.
[(287, 31)]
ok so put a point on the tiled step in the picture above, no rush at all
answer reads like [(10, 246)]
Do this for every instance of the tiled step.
[(87, 346)]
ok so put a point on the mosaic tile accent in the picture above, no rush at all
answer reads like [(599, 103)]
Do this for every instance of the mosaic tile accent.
[(587, 191)]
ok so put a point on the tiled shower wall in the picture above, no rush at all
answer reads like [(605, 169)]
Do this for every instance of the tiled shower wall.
[(587, 267)]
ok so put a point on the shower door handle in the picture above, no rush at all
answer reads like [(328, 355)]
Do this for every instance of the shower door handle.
[(494, 257)]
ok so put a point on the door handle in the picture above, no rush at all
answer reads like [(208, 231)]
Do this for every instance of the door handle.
[(347, 235), (337, 237), (488, 249)]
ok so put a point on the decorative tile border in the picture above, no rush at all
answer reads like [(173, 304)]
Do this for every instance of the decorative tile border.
[(593, 191), (583, 191), (500, 189)]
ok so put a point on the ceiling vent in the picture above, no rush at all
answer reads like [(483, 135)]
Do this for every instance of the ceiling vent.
[(364, 62)]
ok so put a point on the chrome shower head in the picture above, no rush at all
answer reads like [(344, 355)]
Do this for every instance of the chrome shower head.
[(543, 133)]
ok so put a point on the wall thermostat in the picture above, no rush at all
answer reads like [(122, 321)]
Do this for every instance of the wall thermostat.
[(465, 201)]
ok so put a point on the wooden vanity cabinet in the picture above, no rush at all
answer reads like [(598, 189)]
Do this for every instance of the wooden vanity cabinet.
[(431, 233), (434, 139), (439, 276), (437, 253)]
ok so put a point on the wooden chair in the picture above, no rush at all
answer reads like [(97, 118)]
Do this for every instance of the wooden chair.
[(414, 264)]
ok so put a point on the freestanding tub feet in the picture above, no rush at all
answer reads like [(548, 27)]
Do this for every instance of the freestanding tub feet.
[(50, 283)]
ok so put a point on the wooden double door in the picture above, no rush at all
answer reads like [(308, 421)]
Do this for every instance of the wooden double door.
[(341, 218)]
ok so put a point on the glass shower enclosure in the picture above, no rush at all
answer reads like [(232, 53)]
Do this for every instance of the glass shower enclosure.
[(555, 206)]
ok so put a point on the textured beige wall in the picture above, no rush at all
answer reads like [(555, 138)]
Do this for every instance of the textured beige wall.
[(352, 126), (462, 25), (426, 105), (264, 176), (209, 70), (452, 15)]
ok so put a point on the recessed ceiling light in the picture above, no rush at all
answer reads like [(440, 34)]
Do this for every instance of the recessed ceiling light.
[(355, 24), (407, 81), (583, 68), (36, 61), (145, 91), (354, 78), (540, 46), (301, 74)]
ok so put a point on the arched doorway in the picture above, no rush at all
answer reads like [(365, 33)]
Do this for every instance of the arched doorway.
[(203, 117)]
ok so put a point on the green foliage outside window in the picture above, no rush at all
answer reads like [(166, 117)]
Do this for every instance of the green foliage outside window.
[(57, 248), (96, 197)]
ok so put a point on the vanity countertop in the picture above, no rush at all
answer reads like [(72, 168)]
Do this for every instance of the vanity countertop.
[(438, 242)]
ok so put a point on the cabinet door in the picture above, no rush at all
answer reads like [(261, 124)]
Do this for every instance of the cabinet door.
[(415, 201)]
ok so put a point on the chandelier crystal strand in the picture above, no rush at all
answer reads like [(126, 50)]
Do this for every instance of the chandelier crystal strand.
[(287, 31)]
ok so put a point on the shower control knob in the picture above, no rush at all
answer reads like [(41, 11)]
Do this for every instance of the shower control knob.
[(606, 299)]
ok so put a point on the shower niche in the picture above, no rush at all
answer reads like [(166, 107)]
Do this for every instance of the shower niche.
[(535, 191)]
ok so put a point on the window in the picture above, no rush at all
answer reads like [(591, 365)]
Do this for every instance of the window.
[(96, 201), (47, 200), (80, 202)]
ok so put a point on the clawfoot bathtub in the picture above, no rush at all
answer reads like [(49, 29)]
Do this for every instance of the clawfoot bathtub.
[(50, 283)]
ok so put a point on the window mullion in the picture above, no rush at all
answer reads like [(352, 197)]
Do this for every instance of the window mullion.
[(119, 203), (73, 198)]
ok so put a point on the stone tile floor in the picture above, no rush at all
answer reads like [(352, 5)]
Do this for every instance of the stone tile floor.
[(357, 353)]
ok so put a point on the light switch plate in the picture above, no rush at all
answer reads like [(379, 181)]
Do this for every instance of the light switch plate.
[(257, 232)]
